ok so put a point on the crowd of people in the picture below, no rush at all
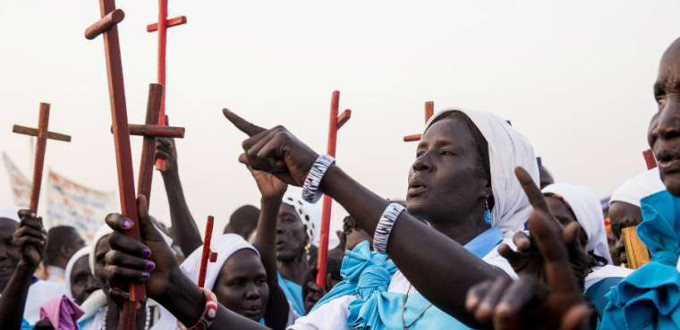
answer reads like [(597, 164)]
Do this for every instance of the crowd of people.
[(484, 239)]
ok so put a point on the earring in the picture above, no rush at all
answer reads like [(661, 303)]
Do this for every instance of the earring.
[(488, 219)]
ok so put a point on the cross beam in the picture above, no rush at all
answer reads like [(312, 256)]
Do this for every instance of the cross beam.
[(429, 111), (42, 135), (335, 122), (162, 27)]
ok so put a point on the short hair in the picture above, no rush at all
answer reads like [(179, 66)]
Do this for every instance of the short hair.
[(57, 237), (243, 221)]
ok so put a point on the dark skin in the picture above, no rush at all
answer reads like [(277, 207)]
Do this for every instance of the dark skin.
[(291, 240), (29, 240), (530, 303), (115, 295), (83, 283), (67, 250), (545, 177), (271, 190), (242, 285), (622, 215), (443, 155), (9, 255), (664, 130), (186, 232)]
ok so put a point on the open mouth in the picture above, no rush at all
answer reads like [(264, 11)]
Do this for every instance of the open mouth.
[(415, 189), (668, 161)]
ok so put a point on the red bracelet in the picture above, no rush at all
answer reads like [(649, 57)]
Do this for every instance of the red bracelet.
[(209, 313)]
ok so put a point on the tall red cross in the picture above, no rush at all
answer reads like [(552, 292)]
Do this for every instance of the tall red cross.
[(335, 123), (429, 111), (42, 135), (208, 254), (162, 27)]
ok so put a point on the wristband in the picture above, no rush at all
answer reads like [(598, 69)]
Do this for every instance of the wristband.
[(209, 313), (310, 188), (384, 228)]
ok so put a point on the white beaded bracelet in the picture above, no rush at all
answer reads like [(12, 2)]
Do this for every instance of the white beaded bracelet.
[(384, 228), (310, 188)]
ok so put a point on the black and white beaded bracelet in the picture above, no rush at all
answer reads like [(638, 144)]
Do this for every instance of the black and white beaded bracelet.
[(384, 228), (310, 188)]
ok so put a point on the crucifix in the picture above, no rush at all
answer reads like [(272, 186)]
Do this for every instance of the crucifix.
[(429, 111), (162, 28), (636, 251), (208, 254), (335, 123), (42, 134)]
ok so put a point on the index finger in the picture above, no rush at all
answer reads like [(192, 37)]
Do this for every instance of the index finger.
[(243, 125), (531, 190)]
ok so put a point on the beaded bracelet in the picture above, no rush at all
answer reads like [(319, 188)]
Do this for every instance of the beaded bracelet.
[(310, 188), (384, 228), (209, 313)]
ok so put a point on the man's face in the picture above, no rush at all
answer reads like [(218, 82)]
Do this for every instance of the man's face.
[(622, 215), (291, 238)]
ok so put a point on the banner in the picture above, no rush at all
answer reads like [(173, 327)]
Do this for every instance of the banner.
[(20, 185), (69, 203)]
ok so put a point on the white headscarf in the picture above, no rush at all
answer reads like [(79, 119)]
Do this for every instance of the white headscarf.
[(638, 187), (507, 150), (309, 214), (10, 213), (588, 211), (83, 252)]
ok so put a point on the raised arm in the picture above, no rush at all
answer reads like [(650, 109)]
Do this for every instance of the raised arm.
[(183, 224), (277, 151), (30, 239), (272, 190)]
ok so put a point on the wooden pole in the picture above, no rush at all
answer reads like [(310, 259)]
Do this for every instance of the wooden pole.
[(335, 122), (429, 111), (208, 254), (637, 253)]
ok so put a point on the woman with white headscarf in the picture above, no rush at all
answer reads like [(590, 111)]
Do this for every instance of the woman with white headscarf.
[(462, 183)]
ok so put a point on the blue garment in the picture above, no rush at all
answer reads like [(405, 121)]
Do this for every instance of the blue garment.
[(369, 277), (293, 292), (650, 297)]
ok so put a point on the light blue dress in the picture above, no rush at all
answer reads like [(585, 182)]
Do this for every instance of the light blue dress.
[(367, 274), (293, 293), (650, 297)]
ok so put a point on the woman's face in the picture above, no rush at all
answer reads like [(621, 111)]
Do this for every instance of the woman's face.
[(241, 285), (83, 283), (664, 129), (291, 238), (564, 215), (448, 178)]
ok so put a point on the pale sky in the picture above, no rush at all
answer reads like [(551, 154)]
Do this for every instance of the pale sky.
[(574, 76)]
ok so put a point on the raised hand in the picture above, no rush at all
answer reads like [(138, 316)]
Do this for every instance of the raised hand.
[(30, 238), (165, 149), (274, 150), (150, 261), (270, 186), (556, 302)]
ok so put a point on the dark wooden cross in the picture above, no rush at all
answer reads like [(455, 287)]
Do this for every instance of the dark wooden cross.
[(162, 27), (208, 254), (42, 135), (429, 111), (335, 123)]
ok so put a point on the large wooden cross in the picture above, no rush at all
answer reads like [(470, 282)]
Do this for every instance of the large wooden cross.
[(162, 27), (106, 25), (335, 123), (42, 135), (637, 253), (429, 111), (208, 254)]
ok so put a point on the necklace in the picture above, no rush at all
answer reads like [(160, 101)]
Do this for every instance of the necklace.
[(147, 320), (403, 311)]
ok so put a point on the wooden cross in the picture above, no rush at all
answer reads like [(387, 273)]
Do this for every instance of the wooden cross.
[(429, 111), (150, 131), (637, 253), (42, 135), (106, 25), (335, 123), (162, 27), (208, 254)]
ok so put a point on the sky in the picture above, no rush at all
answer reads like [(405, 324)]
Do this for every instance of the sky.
[(574, 76)]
